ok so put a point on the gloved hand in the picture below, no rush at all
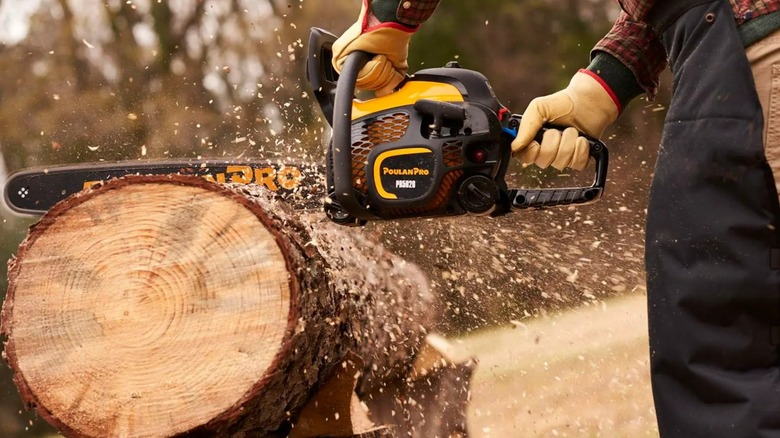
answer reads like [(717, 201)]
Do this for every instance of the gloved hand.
[(585, 105), (388, 41)]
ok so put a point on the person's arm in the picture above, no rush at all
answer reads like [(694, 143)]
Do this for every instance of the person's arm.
[(384, 28), (625, 63), (630, 59)]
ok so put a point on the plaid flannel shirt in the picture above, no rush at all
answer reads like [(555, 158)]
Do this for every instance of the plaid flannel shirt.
[(408, 12), (637, 47)]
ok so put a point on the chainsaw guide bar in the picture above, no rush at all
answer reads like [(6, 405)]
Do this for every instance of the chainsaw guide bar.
[(35, 191)]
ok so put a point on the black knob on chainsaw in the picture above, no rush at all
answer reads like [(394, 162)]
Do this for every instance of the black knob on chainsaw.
[(441, 112), (478, 194)]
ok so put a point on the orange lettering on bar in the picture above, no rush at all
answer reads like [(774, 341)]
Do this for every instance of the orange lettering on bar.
[(245, 172), (265, 176), (289, 177)]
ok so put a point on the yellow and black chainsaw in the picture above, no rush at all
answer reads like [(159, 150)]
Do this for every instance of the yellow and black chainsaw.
[(437, 146)]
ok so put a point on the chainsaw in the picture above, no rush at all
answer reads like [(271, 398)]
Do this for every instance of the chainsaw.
[(439, 145)]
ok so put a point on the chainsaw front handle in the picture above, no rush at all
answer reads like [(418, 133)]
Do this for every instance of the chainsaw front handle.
[(344, 192)]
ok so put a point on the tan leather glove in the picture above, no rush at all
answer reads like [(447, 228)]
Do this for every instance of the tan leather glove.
[(585, 105), (388, 41)]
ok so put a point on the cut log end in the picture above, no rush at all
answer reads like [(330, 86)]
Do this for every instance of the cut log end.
[(123, 308)]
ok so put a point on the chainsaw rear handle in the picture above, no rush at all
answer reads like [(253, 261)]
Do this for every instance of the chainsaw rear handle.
[(539, 198), (344, 192)]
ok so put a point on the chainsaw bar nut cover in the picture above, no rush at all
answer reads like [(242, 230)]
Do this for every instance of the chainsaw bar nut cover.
[(478, 194)]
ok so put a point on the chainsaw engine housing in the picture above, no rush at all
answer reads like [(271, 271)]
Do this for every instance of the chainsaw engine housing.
[(408, 154), (412, 150)]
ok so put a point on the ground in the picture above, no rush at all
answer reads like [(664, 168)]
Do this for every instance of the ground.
[(583, 373)]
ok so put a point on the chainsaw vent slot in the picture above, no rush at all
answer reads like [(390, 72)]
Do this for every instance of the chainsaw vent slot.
[(371, 133), (453, 156), (446, 188)]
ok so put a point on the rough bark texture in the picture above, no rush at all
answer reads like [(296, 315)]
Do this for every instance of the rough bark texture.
[(344, 293)]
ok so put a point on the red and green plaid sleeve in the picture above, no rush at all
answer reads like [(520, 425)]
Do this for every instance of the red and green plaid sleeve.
[(637, 47), (747, 10), (411, 13)]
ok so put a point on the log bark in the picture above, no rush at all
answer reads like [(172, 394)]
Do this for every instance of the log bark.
[(168, 305)]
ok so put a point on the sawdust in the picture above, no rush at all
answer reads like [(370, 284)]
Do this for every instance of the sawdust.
[(489, 271)]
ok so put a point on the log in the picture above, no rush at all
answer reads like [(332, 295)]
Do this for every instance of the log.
[(169, 305)]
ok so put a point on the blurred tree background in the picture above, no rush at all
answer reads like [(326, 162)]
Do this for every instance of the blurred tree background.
[(88, 80)]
